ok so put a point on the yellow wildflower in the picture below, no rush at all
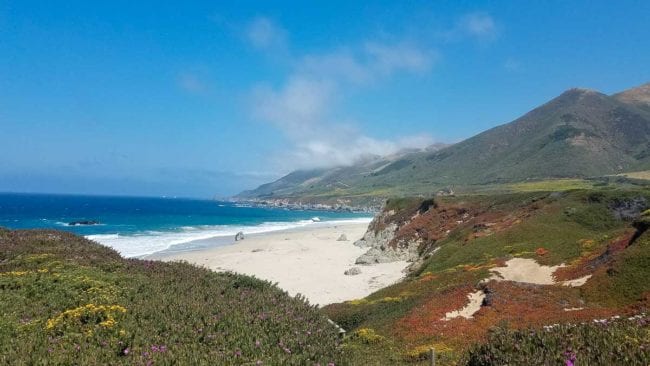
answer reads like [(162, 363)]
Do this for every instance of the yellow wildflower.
[(367, 335), (14, 273), (89, 309)]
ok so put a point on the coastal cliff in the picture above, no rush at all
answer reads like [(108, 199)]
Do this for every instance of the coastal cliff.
[(409, 228)]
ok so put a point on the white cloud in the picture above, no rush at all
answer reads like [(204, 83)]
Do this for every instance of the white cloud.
[(297, 107), (368, 62), (416, 141), (263, 34), (342, 150), (339, 65), (513, 65), (478, 25), (306, 108), (192, 83), (303, 110), (387, 58)]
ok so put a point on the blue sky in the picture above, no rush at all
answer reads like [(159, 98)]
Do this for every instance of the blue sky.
[(206, 98)]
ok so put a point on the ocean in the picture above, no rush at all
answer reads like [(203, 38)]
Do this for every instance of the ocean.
[(137, 226)]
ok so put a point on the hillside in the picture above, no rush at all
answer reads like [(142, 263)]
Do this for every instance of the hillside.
[(65, 300), (327, 181), (525, 275), (581, 133), (639, 96)]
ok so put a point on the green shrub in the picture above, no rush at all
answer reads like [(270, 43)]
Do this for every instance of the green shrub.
[(602, 342), (66, 300)]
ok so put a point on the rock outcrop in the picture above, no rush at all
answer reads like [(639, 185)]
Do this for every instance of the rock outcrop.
[(239, 236), (628, 209), (352, 271), (381, 241), (409, 228), (83, 223)]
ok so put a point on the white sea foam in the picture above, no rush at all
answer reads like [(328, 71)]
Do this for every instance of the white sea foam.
[(60, 223), (149, 242)]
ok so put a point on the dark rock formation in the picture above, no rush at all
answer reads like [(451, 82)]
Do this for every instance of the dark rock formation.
[(628, 209), (83, 223), (352, 271)]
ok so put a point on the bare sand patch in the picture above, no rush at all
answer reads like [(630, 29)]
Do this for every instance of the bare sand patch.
[(475, 301), (525, 270), (577, 282)]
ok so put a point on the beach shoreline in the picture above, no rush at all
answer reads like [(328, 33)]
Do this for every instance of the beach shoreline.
[(306, 260)]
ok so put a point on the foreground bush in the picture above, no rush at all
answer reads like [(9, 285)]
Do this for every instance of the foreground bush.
[(65, 300), (602, 342)]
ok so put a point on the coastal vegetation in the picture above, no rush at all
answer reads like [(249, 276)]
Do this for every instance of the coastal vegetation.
[(595, 239), (66, 300), (613, 341)]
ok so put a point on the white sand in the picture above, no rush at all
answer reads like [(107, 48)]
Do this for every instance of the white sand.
[(577, 282), (529, 271), (309, 261), (525, 270), (475, 301), (572, 309)]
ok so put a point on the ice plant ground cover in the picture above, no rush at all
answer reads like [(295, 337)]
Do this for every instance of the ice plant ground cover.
[(613, 341), (66, 300), (597, 234)]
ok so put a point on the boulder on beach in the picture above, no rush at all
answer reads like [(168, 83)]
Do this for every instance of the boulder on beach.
[(239, 236), (342, 238), (376, 255), (352, 271)]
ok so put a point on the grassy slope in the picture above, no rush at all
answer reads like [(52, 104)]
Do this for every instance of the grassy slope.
[(65, 300), (404, 320)]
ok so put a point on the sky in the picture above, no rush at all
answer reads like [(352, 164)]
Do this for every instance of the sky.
[(208, 98)]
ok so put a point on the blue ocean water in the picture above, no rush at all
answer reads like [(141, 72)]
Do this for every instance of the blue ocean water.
[(137, 226)]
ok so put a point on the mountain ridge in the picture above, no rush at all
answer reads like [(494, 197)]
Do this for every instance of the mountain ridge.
[(580, 133)]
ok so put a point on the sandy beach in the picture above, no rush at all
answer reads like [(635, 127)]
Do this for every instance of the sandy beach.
[(308, 260)]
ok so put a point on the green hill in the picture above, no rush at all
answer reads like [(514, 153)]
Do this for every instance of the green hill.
[(328, 182), (581, 133), (593, 309)]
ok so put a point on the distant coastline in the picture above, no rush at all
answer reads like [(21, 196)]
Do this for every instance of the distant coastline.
[(137, 226), (288, 204)]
